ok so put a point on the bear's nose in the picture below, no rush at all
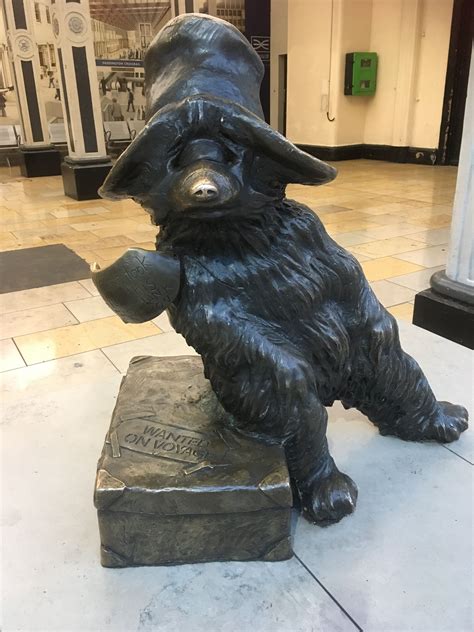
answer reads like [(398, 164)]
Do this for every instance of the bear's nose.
[(204, 191)]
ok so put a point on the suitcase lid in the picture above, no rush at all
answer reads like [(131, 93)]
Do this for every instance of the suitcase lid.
[(169, 452)]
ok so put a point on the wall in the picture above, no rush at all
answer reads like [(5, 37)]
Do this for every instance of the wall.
[(432, 64), (351, 32), (412, 40), (278, 46), (309, 35)]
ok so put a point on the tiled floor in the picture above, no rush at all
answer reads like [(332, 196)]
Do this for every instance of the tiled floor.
[(393, 218), (399, 564)]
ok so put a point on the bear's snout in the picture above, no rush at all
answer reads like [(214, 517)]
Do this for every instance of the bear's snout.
[(204, 186)]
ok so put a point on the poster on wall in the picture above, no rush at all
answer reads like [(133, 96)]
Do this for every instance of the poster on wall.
[(122, 32)]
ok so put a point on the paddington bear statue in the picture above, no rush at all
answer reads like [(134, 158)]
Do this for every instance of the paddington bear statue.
[(282, 317)]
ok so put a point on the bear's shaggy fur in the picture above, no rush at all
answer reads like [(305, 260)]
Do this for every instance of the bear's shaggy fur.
[(283, 317), (286, 323)]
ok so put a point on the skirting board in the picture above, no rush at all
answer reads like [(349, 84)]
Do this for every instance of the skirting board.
[(390, 153)]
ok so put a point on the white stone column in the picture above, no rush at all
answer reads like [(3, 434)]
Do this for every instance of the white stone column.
[(458, 280), (78, 79), (19, 19), (87, 164)]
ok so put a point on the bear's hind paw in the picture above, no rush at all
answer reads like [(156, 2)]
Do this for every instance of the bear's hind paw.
[(448, 424), (328, 500)]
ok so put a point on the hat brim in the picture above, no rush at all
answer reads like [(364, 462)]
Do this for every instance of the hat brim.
[(207, 115)]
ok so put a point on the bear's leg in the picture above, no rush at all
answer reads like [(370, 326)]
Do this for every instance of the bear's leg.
[(279, 400), (391, 389), (326, 494)]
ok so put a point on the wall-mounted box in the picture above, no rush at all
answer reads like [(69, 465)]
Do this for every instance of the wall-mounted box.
[(360, 77)]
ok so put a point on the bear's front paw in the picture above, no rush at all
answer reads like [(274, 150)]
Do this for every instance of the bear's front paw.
[(447, 424), (328, 500)]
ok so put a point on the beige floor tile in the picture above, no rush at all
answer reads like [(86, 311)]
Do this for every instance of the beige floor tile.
[(166, 344), (386, 267), (330, 208), (346, 240), (360, 258), (45, 232), (390, 293), (89, 286), (434, 221), (65, 341), (348, 226), (344, 216), (7, 240), (10, 357), (388, 231), (87, 309), (120, 226), (427, 257), (29, 321), (433, 236), (163, 323), (38, 297), (416, 280), (387, 247), (404, 311), (64, 213), (114, 252)]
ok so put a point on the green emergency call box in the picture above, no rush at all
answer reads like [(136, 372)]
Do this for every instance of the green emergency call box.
[(360, 77)]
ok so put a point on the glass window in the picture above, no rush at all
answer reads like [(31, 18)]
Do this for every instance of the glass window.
[(37, 12), (48, 15)]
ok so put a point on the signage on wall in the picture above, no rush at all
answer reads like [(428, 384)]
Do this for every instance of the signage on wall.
[(261, 45), (120, 63)]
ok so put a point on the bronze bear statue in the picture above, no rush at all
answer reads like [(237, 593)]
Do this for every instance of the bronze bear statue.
[(283, 317)]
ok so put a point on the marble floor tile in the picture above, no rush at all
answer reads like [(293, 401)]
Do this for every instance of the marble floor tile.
[(388, 231), (387, 247), (89, 286), (113, 252), (348, 226), (449, 368), (387, 267), (402, 561), (360, 258), (330, 208), (427, 257), (63, 586), (38, 380), (121, 225), (404, 311), (416, 280), (89, 308), (352, 239), (41, 296), (163, 322), (10, 357), (37, 319), (433, 236), (57, 343), (165, 344), (435, 221), (390, 293)]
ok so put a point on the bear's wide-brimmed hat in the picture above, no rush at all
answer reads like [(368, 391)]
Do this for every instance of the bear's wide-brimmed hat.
[(201, 74)]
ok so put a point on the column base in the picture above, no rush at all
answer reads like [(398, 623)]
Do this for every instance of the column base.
[(36, 163), (81, 180), (453, 319)]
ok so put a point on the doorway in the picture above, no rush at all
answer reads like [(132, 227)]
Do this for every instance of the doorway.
[(457, 75), (282, 87)]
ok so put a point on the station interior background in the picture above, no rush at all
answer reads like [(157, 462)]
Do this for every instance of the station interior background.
[(399, 155)]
